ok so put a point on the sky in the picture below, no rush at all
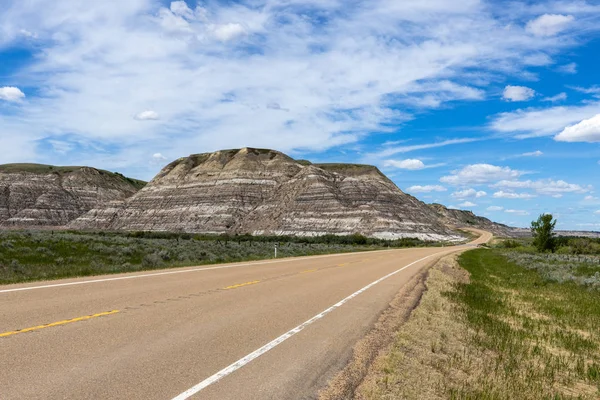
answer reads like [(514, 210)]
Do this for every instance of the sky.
[(489, 106)]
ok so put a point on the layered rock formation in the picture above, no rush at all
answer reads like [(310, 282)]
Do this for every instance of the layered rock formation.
[(266, 192), (467, 219), (34, 195)]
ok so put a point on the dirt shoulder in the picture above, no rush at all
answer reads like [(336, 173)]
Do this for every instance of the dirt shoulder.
[(417, 312)]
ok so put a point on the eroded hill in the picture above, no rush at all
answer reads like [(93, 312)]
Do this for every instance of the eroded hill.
[(262, 191), (35, 195)]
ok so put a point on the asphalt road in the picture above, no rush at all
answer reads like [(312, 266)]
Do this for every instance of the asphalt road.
[(276, 329)]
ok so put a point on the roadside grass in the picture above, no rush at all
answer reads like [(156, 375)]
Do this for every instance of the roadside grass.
[(43, 255), (513, 331)]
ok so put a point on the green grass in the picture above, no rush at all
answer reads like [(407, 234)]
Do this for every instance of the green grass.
[(539, 335), (41, 255)]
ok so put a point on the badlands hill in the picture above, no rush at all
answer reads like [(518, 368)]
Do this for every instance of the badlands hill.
[(262, 191), (35, 195), (464, 219)]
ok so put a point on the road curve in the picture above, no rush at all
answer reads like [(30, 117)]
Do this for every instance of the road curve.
[(275, 329)]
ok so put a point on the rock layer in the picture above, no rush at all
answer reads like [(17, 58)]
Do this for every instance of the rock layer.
[(33, 195), (266, 192)]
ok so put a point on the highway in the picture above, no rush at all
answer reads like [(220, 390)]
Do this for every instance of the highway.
[(274, 329)]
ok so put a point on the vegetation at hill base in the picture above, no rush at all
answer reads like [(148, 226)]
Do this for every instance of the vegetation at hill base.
[(39, 255), (517, 325)]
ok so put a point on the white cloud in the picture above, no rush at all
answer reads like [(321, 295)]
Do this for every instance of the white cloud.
[(517, 212), (343, 70), (548, 187), (147, 116), (426, 189), (518, 93), (406, 149), (559, 97), (159, 156), (478, 174), (495, 208), (512, 195), (467, 204), (468, 193), (542, 122), (587, 130), (590, 198), (549, 24), (11, 93), (536, 153), (229, 31), (597, 212), (568, 68), (411, 164)]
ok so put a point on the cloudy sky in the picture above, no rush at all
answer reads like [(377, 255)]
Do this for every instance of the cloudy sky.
[(491, 106)]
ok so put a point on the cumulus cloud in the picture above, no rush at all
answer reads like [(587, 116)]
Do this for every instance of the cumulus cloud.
[(426, 189), (587, 130), (559, 97), (468, 193), (518, 93), (512, 195), (597, 212), (159, 157), (495, 208), (11, 93), (147, 116), (517, 212), (478, 174), (467, 204), (548, 187), (411, 164), (549, 24)]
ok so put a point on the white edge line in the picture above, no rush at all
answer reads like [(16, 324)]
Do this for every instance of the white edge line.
[(257, 353), (179, 271)]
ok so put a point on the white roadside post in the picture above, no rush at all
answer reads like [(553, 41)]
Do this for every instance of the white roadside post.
[(275, 250)]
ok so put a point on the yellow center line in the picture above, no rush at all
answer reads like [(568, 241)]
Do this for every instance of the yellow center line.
[(66, 321), (309, 270), (240, 285), (342, 265)]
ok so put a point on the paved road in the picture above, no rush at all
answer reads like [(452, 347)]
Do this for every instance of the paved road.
[(261, 327)]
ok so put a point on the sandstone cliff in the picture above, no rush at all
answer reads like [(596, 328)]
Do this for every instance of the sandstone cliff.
[(266, 192), (34, 195)]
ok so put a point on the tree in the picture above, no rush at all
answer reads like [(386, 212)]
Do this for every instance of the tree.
[(543, 233)]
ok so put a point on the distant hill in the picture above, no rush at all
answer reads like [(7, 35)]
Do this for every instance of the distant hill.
[(37, 195), (467, 219)]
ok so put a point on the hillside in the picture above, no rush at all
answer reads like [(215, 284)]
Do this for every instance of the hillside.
[(261, 191), (467, 219), (36, 195)]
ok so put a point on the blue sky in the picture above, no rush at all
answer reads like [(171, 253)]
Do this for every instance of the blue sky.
[(490, 106)]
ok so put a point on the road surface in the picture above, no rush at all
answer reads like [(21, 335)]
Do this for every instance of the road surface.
[(277, 329)]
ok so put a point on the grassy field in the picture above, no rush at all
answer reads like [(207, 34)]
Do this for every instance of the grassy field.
[(40, 255), (512, 326)]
